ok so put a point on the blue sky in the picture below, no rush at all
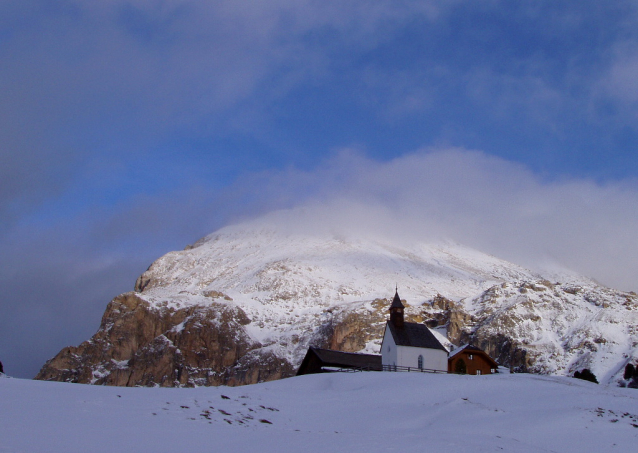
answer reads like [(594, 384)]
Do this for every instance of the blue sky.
[(130, 128)]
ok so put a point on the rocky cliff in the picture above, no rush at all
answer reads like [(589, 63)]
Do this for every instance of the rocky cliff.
[(141, 345), (243, 305)]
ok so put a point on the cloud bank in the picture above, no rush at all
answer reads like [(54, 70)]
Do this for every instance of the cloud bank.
[(479, 200)]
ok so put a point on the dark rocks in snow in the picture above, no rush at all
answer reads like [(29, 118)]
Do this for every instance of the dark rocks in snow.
[(586, 375), (631, 376)]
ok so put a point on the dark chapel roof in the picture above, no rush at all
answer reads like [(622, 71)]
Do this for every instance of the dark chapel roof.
[(416, 335)]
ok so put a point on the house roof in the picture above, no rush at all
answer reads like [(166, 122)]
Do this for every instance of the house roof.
[(338, 359), (468, 348), (352, 359), (415, 335)]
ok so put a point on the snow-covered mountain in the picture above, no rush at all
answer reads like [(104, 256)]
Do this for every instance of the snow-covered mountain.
[(268, 291)]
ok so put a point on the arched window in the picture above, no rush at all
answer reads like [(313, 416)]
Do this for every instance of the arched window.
[(420, 362)]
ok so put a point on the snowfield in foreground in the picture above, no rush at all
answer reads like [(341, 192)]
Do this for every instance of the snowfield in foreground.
[(371, 412)]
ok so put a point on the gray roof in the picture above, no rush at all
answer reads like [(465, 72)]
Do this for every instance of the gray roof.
[(330, 357), (319, 360), (415, 335)]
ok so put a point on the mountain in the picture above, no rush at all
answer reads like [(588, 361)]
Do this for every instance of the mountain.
[(372, 412), (243, 304)]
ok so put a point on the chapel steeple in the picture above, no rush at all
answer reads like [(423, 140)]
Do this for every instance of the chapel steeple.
[(396, 310)]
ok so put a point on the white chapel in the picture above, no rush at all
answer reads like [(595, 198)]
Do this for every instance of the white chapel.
[(410, 344)]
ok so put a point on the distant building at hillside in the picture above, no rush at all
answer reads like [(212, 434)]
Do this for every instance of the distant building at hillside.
[(406, 346), (469, 359), (410, 345)]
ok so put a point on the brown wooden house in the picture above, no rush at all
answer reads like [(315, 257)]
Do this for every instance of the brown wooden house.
[(326, 360), (469, 359)]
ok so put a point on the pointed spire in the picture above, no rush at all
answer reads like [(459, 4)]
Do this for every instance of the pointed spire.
[(396, 302), (396, 310)]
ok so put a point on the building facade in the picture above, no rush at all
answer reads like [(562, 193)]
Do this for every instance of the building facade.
[(469, 359)]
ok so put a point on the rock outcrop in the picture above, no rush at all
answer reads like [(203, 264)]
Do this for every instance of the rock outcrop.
[(141, 345)]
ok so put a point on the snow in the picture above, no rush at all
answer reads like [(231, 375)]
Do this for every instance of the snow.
[(374, 412), (261, 268)]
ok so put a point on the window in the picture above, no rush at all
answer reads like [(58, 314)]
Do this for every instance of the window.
[(420, 362), (478, 372), (470, 356)]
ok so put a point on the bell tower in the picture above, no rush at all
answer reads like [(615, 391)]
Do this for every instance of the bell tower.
[(396, 310)]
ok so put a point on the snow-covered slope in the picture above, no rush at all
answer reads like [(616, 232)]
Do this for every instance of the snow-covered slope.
[(286, 281), (563, 327), (371, 412), (262, 267)]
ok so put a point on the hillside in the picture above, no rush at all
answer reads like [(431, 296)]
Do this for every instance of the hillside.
[(339, 412), (243, 304)]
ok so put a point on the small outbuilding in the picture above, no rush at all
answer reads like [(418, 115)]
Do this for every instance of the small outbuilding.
[(409, 345), (469, 359), (319, 360)]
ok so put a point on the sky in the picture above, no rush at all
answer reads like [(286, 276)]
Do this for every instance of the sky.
[(130, 128)]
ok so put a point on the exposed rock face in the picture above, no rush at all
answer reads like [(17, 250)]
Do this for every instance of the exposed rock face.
[(352, 330), (137, 344), (554, 328)]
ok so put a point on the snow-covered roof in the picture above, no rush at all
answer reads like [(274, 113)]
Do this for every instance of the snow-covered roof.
[(470, 348), (457, 350)]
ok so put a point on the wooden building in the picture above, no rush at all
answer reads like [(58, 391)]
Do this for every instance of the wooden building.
[(469, 359), (410, 346), (326, 360)]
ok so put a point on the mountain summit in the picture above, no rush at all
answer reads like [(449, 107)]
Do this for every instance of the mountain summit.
[(243, 304)]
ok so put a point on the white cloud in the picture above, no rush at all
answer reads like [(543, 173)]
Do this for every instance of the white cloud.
[(491, 204)]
